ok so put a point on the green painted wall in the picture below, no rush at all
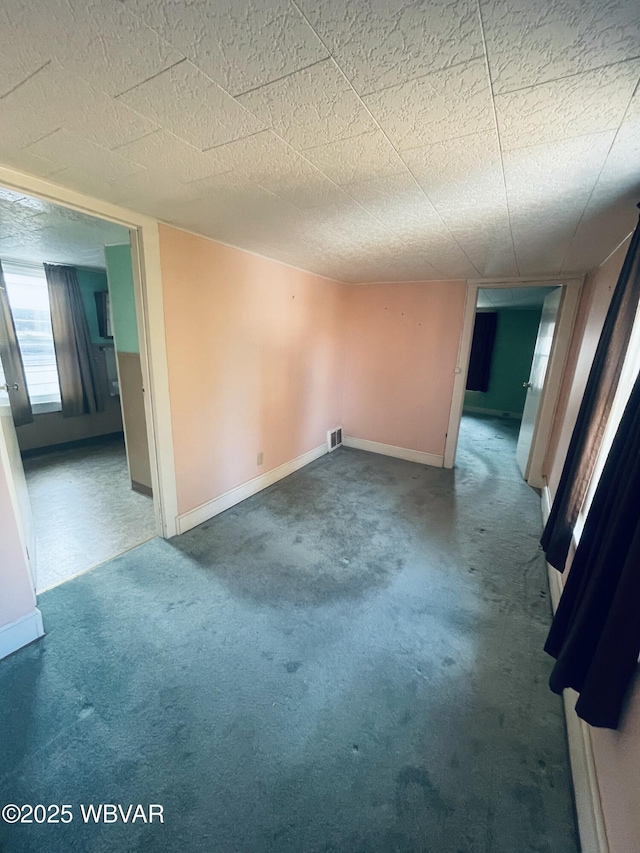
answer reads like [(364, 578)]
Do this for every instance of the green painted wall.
[(511, 364), (123, 304), (91, 281)]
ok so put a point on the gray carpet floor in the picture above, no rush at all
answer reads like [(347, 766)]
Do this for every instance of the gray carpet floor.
[(348, 662), (84, 509)]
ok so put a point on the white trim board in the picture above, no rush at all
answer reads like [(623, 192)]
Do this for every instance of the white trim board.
[(234, 496), (591, 826), (391, 450), (20, 633)]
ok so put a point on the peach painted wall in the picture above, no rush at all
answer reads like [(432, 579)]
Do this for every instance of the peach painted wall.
[(616, 754), (16, 593), (255, 362), (592, 309), (401, 351)]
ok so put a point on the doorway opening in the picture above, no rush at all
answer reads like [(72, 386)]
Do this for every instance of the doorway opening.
[(512, 354), (71, 397)]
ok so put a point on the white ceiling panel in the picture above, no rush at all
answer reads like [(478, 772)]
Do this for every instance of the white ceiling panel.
[(170, 158), (97, 40), (361, 157), (574, 106), (186, 102), (386, 139), (73, 152), (548, 187), (240, 44), (611, 212), (36, 230), (533, 41), (381, 44), (444, 105), (310, 107), (513, 298), (463, 179)]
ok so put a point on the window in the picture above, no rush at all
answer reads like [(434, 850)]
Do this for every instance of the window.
[(29, 300)]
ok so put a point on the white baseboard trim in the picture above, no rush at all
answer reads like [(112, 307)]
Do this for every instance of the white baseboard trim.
[(20, 633), (545, 503), (391, 450), (234, 496), (498, 413), (591, 826)]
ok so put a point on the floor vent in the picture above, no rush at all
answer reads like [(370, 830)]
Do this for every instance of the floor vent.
[(334, 438)]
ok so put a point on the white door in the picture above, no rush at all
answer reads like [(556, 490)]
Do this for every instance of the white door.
[(535, 382), (17, 482)]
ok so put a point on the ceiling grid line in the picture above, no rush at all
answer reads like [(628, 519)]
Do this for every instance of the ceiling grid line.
[(497, 130), (380, 128), (602, 168)]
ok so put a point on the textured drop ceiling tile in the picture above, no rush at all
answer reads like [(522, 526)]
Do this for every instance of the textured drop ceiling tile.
[(165, 155), (187, 103), (439, 106), (611, 212), (25, 161), (311, 107), (365, 156), (548, 187), (380, 44), (72, 152), (98, 40), (532, 41), (573, 106), (19, 59), (439, 248), (241, 44), (463, 179), (53, 98)]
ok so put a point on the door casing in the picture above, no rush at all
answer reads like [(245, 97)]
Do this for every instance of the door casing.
[(571, 289)]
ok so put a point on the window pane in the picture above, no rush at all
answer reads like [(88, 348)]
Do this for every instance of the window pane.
[(29, 299)]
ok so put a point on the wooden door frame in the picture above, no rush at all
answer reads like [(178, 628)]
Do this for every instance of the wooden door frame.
[(147, 279), (572, 286)]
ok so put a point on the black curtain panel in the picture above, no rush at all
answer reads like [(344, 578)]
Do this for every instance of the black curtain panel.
[(12, 364), (594, 411), (484, 336), (595, 635), (77, 369)]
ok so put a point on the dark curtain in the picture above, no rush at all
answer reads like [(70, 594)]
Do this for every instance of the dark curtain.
[(77, 368), (595, 635), (12, 365), (484, 336), (594, 411)]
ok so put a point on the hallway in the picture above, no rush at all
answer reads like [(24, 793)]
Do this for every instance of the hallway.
[(349, 661)]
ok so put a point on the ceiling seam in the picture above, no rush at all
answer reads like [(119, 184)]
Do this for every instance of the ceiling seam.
[(497, 129), (276, 79), (422, 76), (378, 125), (26, 79), (148, 79), (568, 76), (595, 183)]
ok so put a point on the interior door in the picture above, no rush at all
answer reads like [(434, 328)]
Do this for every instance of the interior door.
[(10, 449), (535, 383)]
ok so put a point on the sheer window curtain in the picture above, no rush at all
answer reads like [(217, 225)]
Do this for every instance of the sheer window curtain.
[(77, 369), (11, 357), (594, 410)]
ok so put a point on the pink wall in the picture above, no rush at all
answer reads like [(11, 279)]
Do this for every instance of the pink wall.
[(592, 309), (401, 351), (616, 754), (16, 598), (255, 362)]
